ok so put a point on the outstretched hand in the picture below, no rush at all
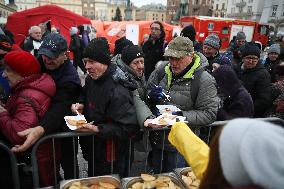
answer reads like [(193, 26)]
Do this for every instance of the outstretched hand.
[(32, 135)]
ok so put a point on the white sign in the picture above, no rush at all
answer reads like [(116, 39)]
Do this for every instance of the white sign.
[(132, 33)]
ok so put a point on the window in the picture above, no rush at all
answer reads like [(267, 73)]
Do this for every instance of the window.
[(223, 6), (283, 10), (85, 5), (249, 9), (196, 2), (211, 26), (217, 6), (233, 10), (91, 5), (225, 30), (274, 9), (263, 30)]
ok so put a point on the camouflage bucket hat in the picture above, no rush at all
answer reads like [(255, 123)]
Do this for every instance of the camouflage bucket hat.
[(179, 47)]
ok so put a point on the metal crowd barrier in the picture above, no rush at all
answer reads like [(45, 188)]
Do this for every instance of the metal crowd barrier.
[(14, 165), (147, 132)]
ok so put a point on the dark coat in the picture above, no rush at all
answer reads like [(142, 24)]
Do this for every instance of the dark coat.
[(237, 102), (108, 102), (257, 82), (211, 60), (270, 67), (77, 47), (154, 52), (68, 88)]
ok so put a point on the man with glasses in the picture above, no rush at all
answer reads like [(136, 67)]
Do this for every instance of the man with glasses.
[(255, 78), (235, 47), (154, 47), (68, 86), (189, 88)]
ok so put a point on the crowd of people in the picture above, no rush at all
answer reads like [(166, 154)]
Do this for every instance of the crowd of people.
[(40, 85)]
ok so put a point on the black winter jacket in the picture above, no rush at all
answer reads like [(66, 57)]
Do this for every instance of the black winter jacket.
[(257, 82), (237, 102), (108, 102), (154, 52), (68, 88)]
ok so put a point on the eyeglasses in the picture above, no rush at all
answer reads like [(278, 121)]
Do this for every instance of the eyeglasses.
[(251, 58), (155, 28)]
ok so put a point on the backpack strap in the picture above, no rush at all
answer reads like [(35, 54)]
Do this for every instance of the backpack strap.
[(195, 85)]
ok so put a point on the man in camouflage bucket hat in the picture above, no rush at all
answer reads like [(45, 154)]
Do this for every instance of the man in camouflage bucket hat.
[(185, 84)]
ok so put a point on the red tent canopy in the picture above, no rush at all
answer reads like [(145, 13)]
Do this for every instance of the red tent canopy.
[(20, 22)]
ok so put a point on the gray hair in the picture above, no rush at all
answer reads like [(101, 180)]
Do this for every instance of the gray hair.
[(33, 28)]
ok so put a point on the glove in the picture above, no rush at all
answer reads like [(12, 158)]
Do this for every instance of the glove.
[(156, 95), (178, 113)]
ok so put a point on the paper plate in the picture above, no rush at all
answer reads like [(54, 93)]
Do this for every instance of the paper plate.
[(169, 119), (167, 108), (77, 117)]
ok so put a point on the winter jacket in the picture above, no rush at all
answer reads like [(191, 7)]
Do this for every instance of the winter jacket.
[(199, 113), (31, 45), (27, 104), (109, 104), (139, 95), (211, 60), (77, 47), (68, 88), (257, 83), (270, 67), (237, 101), (154, 52)]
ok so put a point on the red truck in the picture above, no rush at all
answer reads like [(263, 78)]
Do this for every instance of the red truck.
[(227, 28)]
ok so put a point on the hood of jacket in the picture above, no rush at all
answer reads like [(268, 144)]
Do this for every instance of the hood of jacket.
[(251, 152), (38, 82), (227, 80), (199, 62)]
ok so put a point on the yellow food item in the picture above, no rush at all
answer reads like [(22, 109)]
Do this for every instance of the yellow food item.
[(106, 185), (146, 177), (77, 123)]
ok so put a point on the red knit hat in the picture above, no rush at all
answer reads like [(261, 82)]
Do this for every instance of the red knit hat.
[(22, 62)]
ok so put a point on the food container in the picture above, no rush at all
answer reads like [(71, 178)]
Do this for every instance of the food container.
[(112, 179), (128, 182), (182, 171)]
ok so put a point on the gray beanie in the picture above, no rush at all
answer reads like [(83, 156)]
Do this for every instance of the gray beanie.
[(73, 30), (240, 35), (275, 48), (212, 41), (252, 152)]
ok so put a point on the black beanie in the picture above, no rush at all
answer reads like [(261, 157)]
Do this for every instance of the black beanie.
[(5, 43), (250, 49), (131, 52), (120, 44), (189, 32), (98, 50)]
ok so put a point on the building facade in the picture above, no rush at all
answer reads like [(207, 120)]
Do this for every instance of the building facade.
[(6, 10), (172, 10), (200, 7), (245, 9), (88, 8), (122, 5), (273, 11), (220, 8), (151, 12), (71, 5)]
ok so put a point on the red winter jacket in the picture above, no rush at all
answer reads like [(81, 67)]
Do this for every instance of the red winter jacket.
[(28, 102)]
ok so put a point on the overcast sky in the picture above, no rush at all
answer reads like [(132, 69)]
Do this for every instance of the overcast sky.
[(139, 3)]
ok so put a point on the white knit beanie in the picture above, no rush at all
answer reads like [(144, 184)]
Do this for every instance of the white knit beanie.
[(73, 30), (252, 152), (275, 48)]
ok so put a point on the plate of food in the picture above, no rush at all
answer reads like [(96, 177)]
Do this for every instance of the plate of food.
[(167, 109), (75, 122), (167, 119)]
